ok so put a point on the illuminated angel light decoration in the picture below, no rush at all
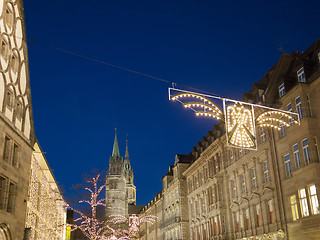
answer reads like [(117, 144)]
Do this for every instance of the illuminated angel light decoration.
[(134, 222), (239, 117)]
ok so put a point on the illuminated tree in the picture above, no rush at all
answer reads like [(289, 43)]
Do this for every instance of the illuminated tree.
[(88, 223)]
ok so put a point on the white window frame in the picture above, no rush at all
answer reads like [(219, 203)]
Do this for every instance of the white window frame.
[(287, 164), (294, 207), (304, 202), (314, 200), (296, 155), (299, 107), (282, 90), (253, 178), (306, 151), (301, 75)]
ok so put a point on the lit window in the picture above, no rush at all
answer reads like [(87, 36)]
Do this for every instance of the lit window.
[(299, 107), (294, 208), (281, 90), (296, 155), (287, 164), (306, 152), (314, 199), (262, 134), (243, 183), (303, 202), (258, 216), (266, 172), (319, 57), (289, 108), (301, 76), (253, 178)]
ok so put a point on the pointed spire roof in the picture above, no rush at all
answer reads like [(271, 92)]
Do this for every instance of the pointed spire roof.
[(127, 165), (127, 152), (115, 151)]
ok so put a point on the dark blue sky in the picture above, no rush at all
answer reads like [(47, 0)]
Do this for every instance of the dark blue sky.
[(220, 47)]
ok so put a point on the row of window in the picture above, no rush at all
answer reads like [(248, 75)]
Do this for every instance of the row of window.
[(297, 157), (301, 79), (254, 182), (242, 220), (7, 194), (214, 227), (11, 152), (308, 201), (201, 177)]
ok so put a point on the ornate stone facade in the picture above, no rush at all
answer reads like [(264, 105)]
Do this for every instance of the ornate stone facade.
[(16, 123), (270, 193)]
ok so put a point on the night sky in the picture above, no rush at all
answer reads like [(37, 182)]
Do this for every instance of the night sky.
[(220, 47)]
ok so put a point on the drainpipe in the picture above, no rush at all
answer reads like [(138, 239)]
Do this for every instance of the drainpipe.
[(278, 184)]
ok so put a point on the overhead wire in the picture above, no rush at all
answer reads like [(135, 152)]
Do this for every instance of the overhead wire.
[(117, 66)]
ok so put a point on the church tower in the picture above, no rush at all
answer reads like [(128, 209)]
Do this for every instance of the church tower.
[(120, 190), (128, 172)]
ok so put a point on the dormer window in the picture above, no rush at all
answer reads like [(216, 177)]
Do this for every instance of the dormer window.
[(301, 76), (281, 90)]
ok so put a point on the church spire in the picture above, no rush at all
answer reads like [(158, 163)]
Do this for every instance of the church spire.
[(126, 158), (115, 151)]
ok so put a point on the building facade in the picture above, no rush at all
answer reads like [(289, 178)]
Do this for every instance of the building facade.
[(154, 208), (46, 212), (174, 222), (271, 192), (120, 190), (16, 123)]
